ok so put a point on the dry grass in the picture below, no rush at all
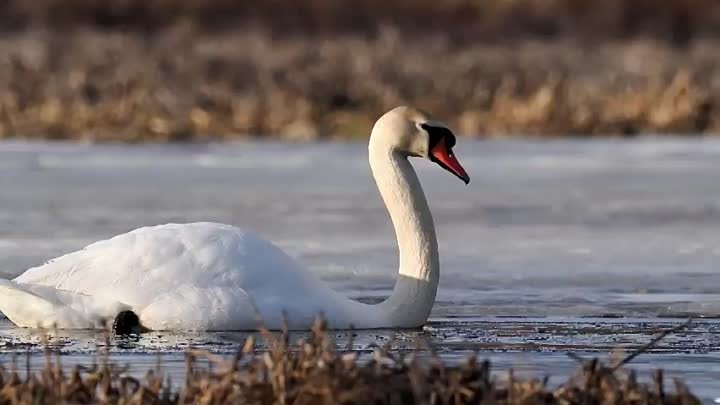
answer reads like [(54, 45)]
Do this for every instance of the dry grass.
[(312, 372), (165, 70), (464, 20), (183, 84)]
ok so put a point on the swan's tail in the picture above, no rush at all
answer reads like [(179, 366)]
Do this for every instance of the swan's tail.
[(35, 306)]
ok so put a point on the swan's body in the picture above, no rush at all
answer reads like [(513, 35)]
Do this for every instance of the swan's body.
[(177, 276), (207, 276)]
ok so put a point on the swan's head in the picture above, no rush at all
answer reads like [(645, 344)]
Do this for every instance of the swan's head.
[(413, 132)]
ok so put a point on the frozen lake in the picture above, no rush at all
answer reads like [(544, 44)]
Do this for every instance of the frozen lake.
[(563, 232)]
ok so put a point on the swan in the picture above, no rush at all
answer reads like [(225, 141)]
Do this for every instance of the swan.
[(210, 276)]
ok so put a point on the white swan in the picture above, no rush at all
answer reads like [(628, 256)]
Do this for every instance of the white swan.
[(207, 276)]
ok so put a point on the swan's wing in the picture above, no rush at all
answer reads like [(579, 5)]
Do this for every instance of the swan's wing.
[(190, 307), (39, 306), (139, 266)]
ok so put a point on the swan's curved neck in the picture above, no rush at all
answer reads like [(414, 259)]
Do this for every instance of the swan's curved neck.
[(416, 286)]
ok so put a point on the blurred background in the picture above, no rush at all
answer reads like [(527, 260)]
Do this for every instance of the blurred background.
[(172, 70)]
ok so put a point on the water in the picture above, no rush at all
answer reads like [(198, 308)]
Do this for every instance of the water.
[(568, 232)]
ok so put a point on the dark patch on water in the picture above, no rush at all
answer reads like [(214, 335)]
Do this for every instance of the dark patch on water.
[(489, 334)]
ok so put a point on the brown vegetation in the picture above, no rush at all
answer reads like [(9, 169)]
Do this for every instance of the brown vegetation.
[(313, 372), (463, 20), (180, 84), (163, 70)]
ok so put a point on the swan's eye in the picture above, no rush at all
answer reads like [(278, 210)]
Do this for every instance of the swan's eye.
[(438, 133), (450, 140)]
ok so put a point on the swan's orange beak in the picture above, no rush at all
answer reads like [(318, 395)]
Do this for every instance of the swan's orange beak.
[(444, 156)]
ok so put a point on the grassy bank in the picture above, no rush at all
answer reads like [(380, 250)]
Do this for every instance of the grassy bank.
[(313, 372), (182, 83)]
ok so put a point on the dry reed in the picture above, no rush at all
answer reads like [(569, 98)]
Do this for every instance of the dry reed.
[(465, 21), (182, 84), (313, 372), (174, 70)]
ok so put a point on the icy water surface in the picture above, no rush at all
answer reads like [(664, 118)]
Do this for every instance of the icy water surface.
[(554, 246)]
